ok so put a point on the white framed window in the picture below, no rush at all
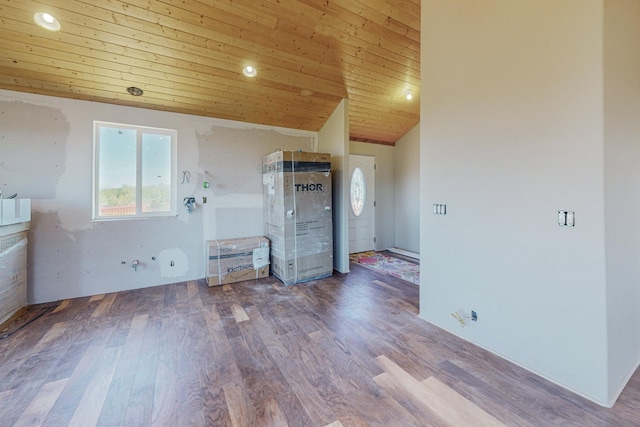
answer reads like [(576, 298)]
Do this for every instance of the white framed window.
[(134, 173)]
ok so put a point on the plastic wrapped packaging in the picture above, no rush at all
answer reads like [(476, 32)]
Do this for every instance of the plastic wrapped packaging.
[(298, 214), (235, 260)]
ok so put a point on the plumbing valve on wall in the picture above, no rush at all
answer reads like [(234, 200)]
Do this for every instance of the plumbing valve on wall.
[(190, 203), (463, 318)]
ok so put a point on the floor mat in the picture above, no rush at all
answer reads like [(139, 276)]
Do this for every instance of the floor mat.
[(397, 267)]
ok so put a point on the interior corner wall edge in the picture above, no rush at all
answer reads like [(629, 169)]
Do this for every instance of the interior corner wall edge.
[(46, 154), (511, 132), (407, 185), (333, 138)]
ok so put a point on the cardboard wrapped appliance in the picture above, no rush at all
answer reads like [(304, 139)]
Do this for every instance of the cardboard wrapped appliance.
[(298, 214), (235, 260)]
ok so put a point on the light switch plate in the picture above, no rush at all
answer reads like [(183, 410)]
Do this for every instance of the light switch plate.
[(439, 209), (566, 218)]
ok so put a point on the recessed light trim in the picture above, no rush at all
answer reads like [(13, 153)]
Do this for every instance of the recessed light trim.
[(135, 91), (250, 71), (47, 21), (409, 95)]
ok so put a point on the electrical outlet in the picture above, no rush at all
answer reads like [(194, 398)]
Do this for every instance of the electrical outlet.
[(439, 209)]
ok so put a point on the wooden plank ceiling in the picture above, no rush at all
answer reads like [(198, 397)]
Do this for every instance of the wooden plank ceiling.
[(188, 57)]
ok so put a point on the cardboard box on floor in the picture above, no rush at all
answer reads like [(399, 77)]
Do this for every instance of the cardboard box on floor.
[(298, 214), (236, 260)]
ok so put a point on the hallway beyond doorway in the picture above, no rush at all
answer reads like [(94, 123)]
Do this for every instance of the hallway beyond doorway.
[(399, 266)]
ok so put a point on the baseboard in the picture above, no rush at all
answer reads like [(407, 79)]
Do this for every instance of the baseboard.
[(623, 384), (404, 252), (527, 368)]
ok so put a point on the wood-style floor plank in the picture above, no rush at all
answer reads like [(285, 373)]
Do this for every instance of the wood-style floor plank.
[(69, 400), (88, 410), (119, 393), (236, 405), (5, 395), (56, 331), (142, 391), (238, 313), (36, 412), (63, 305), (165, 396), (96, 298), (348, 350), (104, 306), (406, 398), (384, 285), (438, 398)]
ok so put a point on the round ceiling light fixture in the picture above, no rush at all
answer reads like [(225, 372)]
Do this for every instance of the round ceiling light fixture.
[(250, 71), (408, 95), (47, 21), (135, 91)]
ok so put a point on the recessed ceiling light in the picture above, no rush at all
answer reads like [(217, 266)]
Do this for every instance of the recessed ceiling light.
[(250, 71), (408, 95), (47, 21), (135, 91)]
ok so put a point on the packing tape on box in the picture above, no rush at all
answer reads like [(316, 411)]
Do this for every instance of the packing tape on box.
[(219, 266), (260, 257), (295, 235)]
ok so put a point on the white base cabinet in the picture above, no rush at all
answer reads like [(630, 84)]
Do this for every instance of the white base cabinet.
[(13, 270)]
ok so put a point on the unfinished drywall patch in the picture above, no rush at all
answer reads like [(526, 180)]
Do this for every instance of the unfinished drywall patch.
[(51, 245), (250, 210), (232, 157), (66, 264), (32, 149), (173, 263)]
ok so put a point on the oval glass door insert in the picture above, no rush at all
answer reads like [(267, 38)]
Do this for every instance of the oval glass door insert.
[(358, 191)]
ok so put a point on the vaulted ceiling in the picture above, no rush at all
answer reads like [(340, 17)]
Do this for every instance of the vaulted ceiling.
[(187, 56)]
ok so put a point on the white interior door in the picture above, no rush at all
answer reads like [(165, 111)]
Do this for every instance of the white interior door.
[(362, 202)]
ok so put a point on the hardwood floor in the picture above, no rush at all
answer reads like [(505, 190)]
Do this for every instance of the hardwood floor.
[(344, 351)]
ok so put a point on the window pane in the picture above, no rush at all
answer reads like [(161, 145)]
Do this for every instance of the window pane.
[(358, 191), (156, 173), (117, 179), (135, 171)]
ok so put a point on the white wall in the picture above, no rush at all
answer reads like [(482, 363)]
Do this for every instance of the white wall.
[(46, 148), (511, 132), (407, 191), (622, 197), (333, 138), (385, 210)]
